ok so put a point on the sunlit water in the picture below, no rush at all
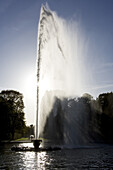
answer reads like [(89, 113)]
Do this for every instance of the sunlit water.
[(93, 157)]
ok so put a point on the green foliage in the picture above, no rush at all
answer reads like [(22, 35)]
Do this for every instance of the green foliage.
[(28, 130), (11, 114), (22, 139)]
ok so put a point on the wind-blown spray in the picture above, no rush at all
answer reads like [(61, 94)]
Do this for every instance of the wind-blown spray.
[(58, 66)]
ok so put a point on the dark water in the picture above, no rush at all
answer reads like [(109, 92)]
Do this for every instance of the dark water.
[(95, 157)]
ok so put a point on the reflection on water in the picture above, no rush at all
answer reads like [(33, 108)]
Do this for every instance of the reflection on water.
[(80, 158), (32, 160), (26, 145)]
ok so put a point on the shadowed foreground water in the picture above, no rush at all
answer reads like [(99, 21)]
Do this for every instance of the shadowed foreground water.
[(97, 157)]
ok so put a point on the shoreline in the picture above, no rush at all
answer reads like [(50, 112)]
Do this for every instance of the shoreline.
[(14, 141)]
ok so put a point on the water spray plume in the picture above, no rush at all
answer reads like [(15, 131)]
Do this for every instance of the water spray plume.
[(58, 63)]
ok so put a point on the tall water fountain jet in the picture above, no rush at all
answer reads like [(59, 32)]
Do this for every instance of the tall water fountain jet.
[(58, 74)]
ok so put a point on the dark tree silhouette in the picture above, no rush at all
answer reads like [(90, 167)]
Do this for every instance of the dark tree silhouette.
[(90, 120), (106, 103), (11, 114)]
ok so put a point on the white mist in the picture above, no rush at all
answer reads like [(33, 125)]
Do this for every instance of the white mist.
[(60, 58)]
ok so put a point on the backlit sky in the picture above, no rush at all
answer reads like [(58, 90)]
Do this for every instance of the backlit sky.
[(18, 44)]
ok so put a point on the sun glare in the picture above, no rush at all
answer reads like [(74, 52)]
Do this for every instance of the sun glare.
[(30, 93), (30, 85)]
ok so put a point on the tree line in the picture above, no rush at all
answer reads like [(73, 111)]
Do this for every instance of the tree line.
[(92, 118), (81, 118)]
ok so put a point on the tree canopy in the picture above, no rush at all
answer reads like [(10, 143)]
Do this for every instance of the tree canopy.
[(82, 119), (11, 114)]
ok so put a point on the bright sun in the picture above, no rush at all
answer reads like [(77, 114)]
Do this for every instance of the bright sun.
[(29, 90), (30, 85)]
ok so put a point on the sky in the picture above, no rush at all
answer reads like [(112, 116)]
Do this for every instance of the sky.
[(18, 44)]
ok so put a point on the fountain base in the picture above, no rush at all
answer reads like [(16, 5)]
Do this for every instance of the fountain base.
[(36, 143)]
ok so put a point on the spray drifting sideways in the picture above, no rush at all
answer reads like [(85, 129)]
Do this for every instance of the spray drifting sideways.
[(58, 64)]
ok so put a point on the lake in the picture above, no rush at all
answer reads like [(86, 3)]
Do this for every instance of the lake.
[(87, 157)]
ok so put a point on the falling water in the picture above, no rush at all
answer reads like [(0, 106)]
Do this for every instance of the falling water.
[(59, 75)]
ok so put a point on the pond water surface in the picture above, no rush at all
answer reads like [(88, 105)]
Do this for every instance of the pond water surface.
[(93, 157)]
